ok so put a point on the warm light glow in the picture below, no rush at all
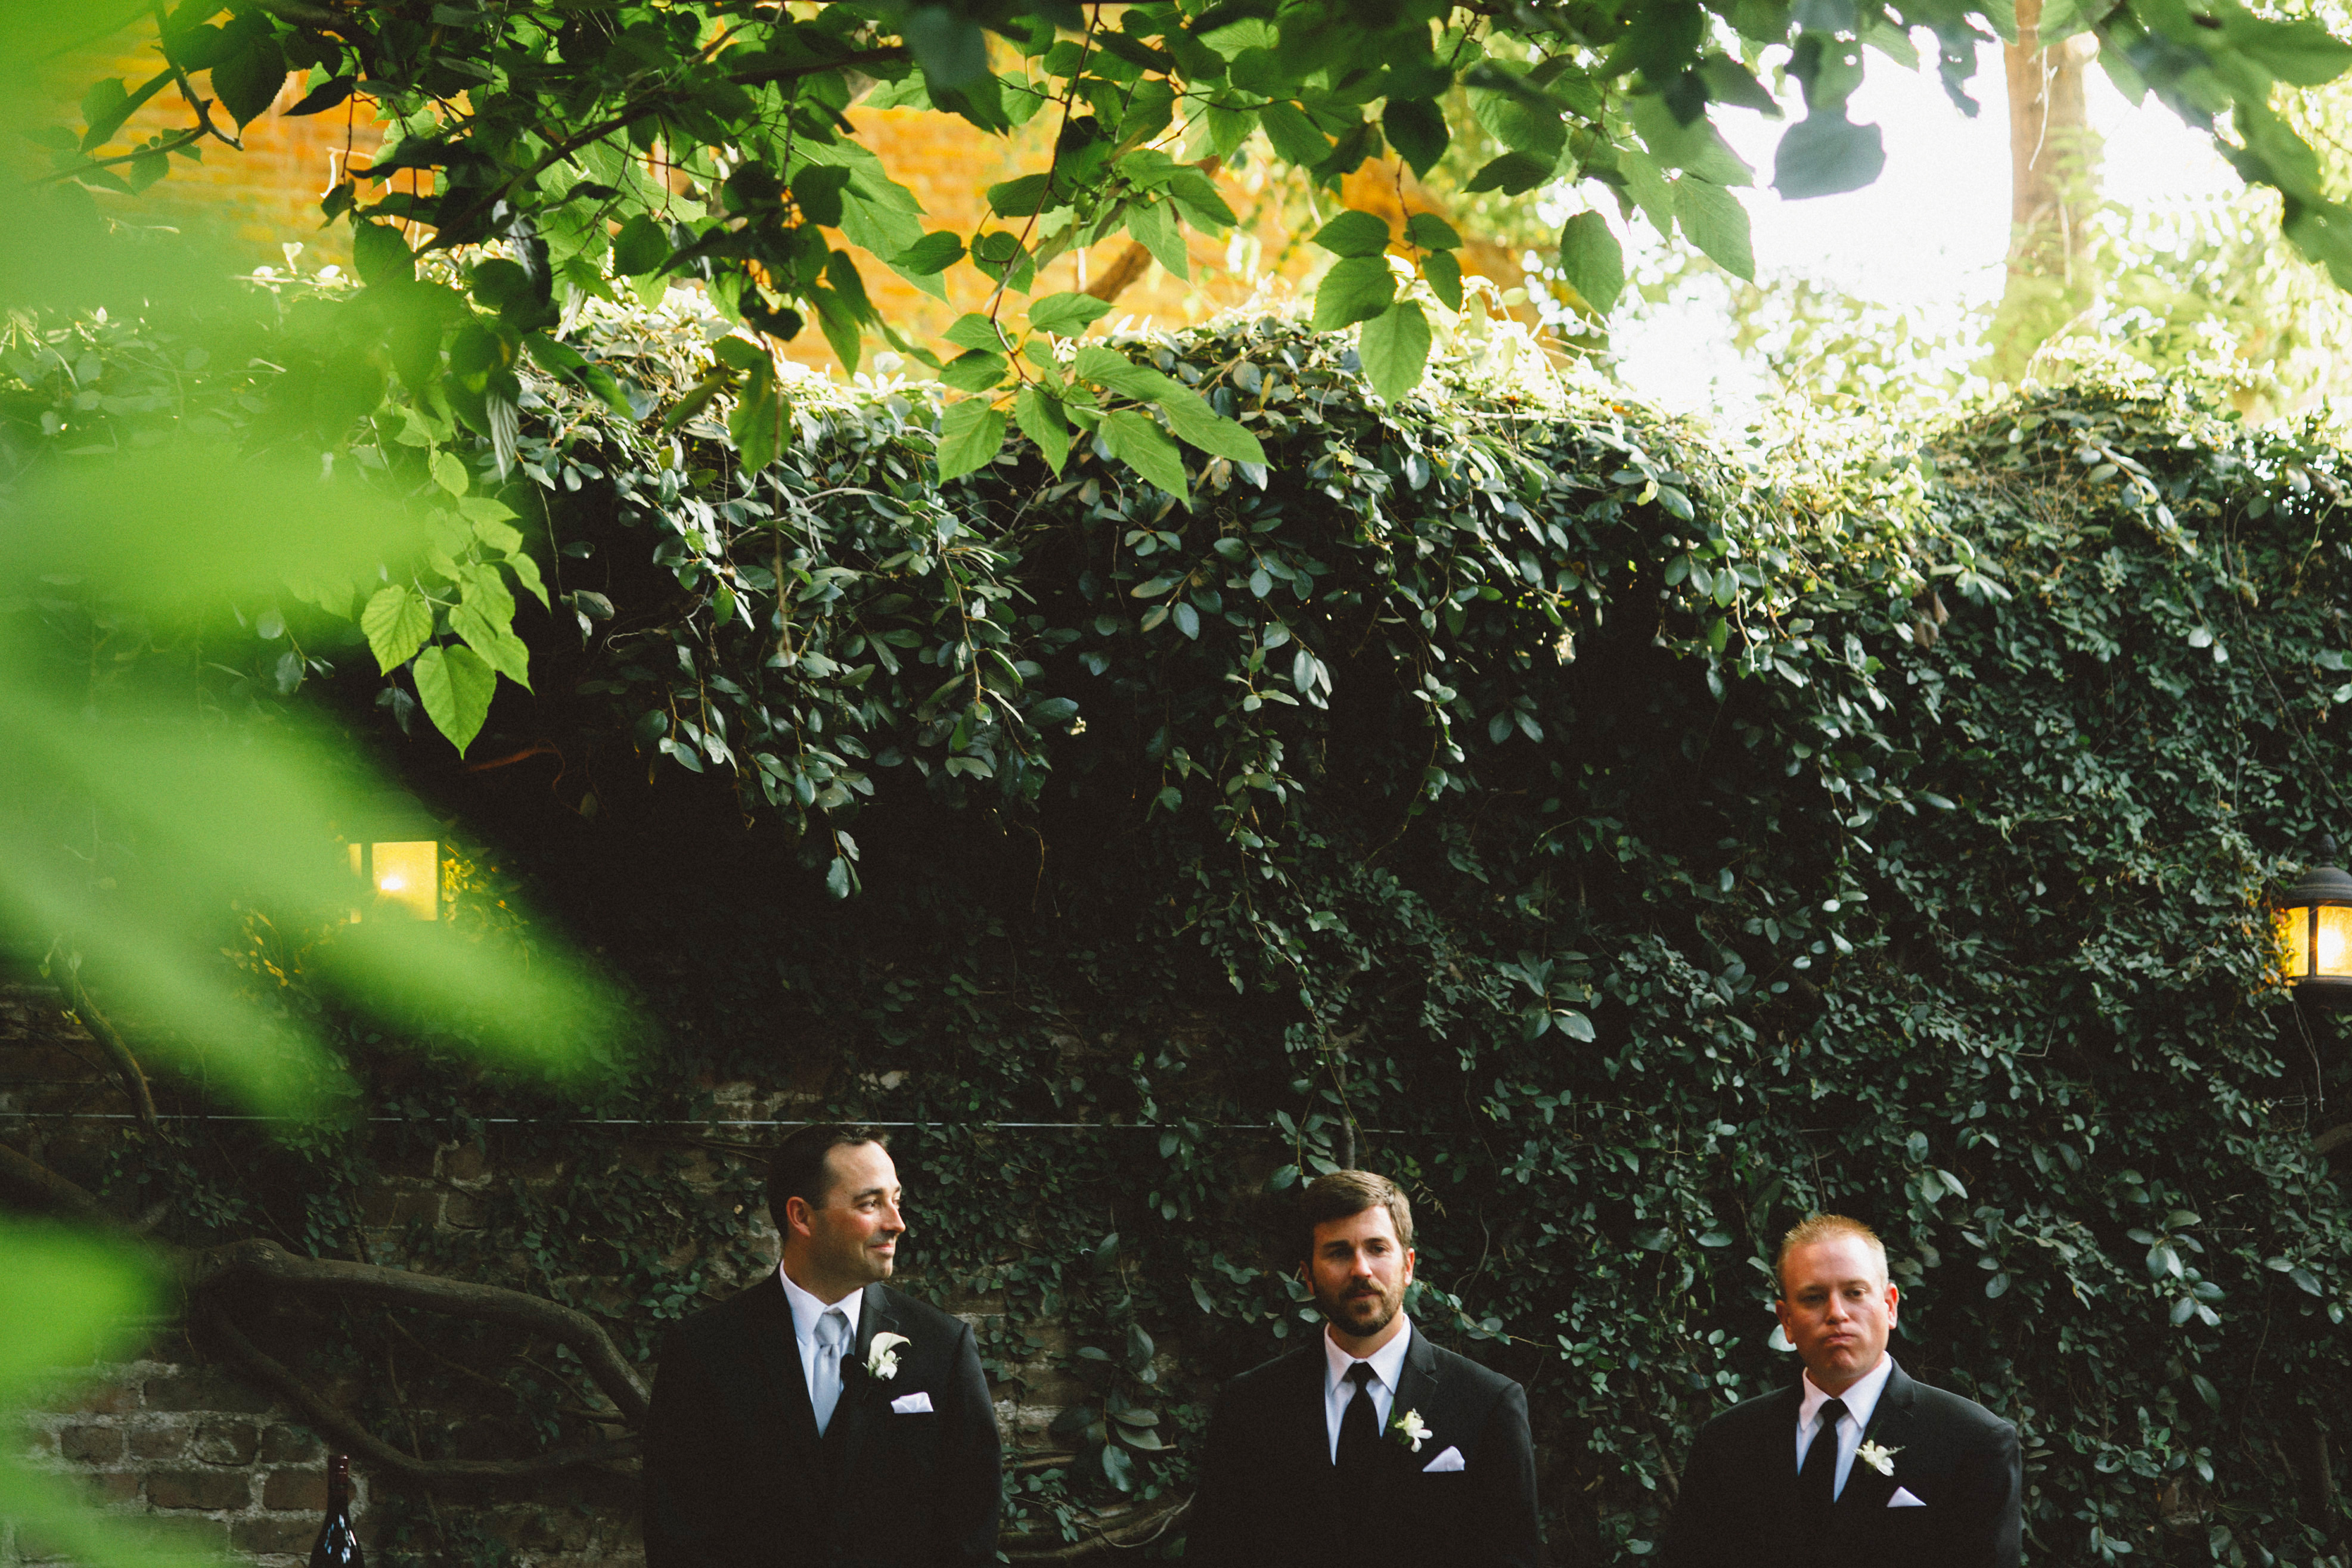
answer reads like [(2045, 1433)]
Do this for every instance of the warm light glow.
[(2294, 938), (2335, 957), (407, 878)]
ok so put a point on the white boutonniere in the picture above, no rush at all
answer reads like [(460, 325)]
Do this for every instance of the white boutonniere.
[(882, 1357), (1877, 1458), (1409, 1430)]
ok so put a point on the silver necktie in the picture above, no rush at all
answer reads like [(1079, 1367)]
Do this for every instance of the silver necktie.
[(824, 1387)]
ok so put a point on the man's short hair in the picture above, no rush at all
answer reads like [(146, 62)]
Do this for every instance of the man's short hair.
[(1819, 1228), (1345, 1193), (799, 1168)]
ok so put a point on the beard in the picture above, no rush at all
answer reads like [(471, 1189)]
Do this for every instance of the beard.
[(1362, 1310)]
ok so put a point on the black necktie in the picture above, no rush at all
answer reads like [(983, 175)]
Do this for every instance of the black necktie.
[(1817, 1481), (1360, 1428)]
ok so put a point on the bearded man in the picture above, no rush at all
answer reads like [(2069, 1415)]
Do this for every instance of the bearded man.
[(1854, 1462), (1370, 1447)]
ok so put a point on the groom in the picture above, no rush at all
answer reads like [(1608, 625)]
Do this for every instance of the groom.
[(1855, 1463), (1368, 1446), (816, 1418)]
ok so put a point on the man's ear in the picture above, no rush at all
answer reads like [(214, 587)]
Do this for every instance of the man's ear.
[(797, 1217)]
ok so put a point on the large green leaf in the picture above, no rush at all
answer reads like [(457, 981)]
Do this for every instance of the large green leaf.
[(1143, 446), (1294, 138), (1825, 153), (248, 79), (1354, 233), (1041, 420), (1416, 128), (970, 433), (1068, 315), (1357, 288), (1592, 260), (1715, 222), (1395, 348), (397, 620), (1196, 422), (456, 685)]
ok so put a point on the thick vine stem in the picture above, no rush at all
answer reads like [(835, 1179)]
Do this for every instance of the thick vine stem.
[(267, 1263), (118, 1049), (1133, 1531), (331, 1421)]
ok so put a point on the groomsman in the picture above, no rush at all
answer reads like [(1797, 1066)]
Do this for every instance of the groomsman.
[(1854, 1462), (819, 1419), (1368, 1446)]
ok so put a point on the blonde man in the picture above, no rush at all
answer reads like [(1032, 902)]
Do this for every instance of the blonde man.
[(1854, 1462)]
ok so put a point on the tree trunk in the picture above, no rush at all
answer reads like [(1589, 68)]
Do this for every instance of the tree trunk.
[(2053, 160)]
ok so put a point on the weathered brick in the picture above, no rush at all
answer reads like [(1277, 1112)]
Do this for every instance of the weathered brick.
[(160, 1440), (291, 1534), (202, 1388), (390, 1205), (91, 1444), (96, 1399), (464, 1211), (223, 1441), (112, 1486), (288, 1444), (200, 1489), (302, 1491), (464, 1162)]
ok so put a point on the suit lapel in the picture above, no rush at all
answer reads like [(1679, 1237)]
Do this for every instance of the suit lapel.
[(1862, 1504), (779, 1359), (1419, 1389), (862, 1395)]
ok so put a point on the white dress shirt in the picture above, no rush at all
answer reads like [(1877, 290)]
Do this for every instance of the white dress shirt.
[(1859, 1401), (1388, 1365), (806, 1310)]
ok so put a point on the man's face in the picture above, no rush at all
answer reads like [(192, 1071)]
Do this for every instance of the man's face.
[(1359, 1270), (1837, 1306), (854, 1235)]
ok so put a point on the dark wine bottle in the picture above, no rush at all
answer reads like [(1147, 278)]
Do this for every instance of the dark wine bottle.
[(338, 1546)]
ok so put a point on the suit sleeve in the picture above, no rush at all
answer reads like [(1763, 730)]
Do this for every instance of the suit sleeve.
[(1506, 1474), (1213, 1527), (1991, 1487), (1695, 1535), (685, 1511), (972, 1466)]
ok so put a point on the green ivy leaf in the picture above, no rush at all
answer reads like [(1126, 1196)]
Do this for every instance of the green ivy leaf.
[(455, 685), (970, 433), (1143, 446), (1354, 233), (1593, 261), (1395, 348), (1716, 224), (1357, 288), (398, 619), (1826, 153)]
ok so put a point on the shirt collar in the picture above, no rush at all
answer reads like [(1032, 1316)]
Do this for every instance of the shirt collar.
[(807, 1309), (1860, 1400), (1386, 1363)]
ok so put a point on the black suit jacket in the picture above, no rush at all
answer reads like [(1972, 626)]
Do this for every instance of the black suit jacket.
[(1267, 1497), (736, 1476), (1738, 1491)]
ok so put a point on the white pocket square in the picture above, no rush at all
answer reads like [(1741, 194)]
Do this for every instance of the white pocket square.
[(919, 1404), (1902, 1499), (1449, 1460)]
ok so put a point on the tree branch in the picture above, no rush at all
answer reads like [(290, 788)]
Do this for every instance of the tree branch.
[(126, 1066), (27, 1184), (1135, 1531), (268, 1263), (2334, 1138), (331, 1421)]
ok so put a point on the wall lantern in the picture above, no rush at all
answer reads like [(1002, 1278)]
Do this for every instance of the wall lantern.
[(2315, 923), (395, 851)]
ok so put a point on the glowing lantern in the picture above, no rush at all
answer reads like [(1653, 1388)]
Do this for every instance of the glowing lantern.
[(2315, 923), (396, 852)]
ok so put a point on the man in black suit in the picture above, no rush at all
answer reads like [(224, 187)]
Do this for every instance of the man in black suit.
[(1368, 1447), (1855, 1463), (818, 1419)]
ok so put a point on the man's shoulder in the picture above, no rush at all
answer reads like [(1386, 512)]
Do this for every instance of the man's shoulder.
[(928, 1321), (1944, 1407), (722, 1320), (1285, 1368), (1454, 1368), (1777, 1406)]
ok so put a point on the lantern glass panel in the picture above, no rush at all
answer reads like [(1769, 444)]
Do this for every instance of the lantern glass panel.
[(407, 878), (2334, 957), (2294, 940)]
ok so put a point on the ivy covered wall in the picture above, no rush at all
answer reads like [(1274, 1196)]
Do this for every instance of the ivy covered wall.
[(1627, 843)]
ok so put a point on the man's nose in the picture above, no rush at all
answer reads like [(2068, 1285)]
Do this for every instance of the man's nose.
[(891, 1219)]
